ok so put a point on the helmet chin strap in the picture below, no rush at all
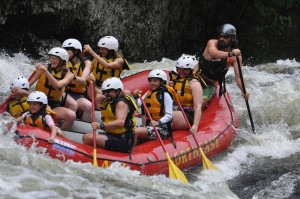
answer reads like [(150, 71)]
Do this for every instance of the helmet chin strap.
[(59, 66)]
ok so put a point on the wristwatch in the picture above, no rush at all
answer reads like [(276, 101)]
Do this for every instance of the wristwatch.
[(102, 126)]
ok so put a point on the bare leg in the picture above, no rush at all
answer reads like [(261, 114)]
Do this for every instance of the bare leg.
[(88, 139), (85, 106), (178, 121), (70, 103), (140, 133), (67, 115), (99, 98)]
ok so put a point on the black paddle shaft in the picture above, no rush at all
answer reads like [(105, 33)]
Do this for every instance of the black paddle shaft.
[(244, 91)]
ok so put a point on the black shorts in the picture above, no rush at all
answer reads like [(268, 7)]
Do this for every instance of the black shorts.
[(54, 104), (75, 96), (116, 143), (190, 116)]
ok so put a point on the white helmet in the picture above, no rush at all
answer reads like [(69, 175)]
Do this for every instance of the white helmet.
[(37, 96), (59, 52), (19, 81), (187, 61), (158, 74), (72, 43), (227, 29), (109, 42), (112, 83)]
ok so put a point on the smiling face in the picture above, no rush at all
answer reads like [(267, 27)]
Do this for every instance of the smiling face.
[(110, 94), (54, 61), (155, 83), (224, 41), (35, 107), (183, 72)]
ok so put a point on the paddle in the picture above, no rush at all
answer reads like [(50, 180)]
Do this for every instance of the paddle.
[(174, 171), (95, 163), (3, 106), (207, 164), (244, 91)]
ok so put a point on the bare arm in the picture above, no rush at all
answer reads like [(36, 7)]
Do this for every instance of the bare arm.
[(86, 72), (53, 133), (20, 119), (117, 63), (56, 84), (211, 50), (197, 102)]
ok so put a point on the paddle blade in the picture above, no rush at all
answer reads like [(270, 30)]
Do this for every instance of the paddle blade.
[(175, 172), (207, 164), (104, 164), (95, 163)]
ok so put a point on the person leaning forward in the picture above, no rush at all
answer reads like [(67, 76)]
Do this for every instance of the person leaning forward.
[(117, 117), (219, 55)]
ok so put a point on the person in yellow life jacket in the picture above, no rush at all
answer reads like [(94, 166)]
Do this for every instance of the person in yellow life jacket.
[(38, 116), (109, 63), (189, 93), (219, 55), (118, 121), (159, 101), (18, 104), (76, 96), (52, 80)]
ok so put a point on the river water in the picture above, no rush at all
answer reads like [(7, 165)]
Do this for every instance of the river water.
[(261, 165)]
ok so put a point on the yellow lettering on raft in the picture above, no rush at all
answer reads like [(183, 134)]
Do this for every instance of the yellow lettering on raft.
[(177, 159), (196, 152), (192, 153), (206, 149), (183, 157), (188, 152)]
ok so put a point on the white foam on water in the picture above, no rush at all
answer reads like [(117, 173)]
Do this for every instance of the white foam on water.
[(274, 94)]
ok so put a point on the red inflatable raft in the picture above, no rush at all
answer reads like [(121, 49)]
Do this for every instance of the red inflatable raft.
[(216, 132)]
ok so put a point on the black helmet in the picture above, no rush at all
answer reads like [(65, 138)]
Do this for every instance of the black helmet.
[(228, 29)]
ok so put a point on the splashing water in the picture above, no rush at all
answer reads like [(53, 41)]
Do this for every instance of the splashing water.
[(250, 168)]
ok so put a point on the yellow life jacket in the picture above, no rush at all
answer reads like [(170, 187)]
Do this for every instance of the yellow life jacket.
[(108, 114), (183, 91), (16, 107), (101, 73), (154, 101), (44, 86), (77, 70), (40, 119)]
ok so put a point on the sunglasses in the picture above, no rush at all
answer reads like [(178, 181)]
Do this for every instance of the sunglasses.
[(223, 36)]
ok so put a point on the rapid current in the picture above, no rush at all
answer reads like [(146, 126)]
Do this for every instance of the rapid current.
[(262, 165)]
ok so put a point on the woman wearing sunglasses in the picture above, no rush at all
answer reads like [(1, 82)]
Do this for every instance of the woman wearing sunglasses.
[(219, 55)]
